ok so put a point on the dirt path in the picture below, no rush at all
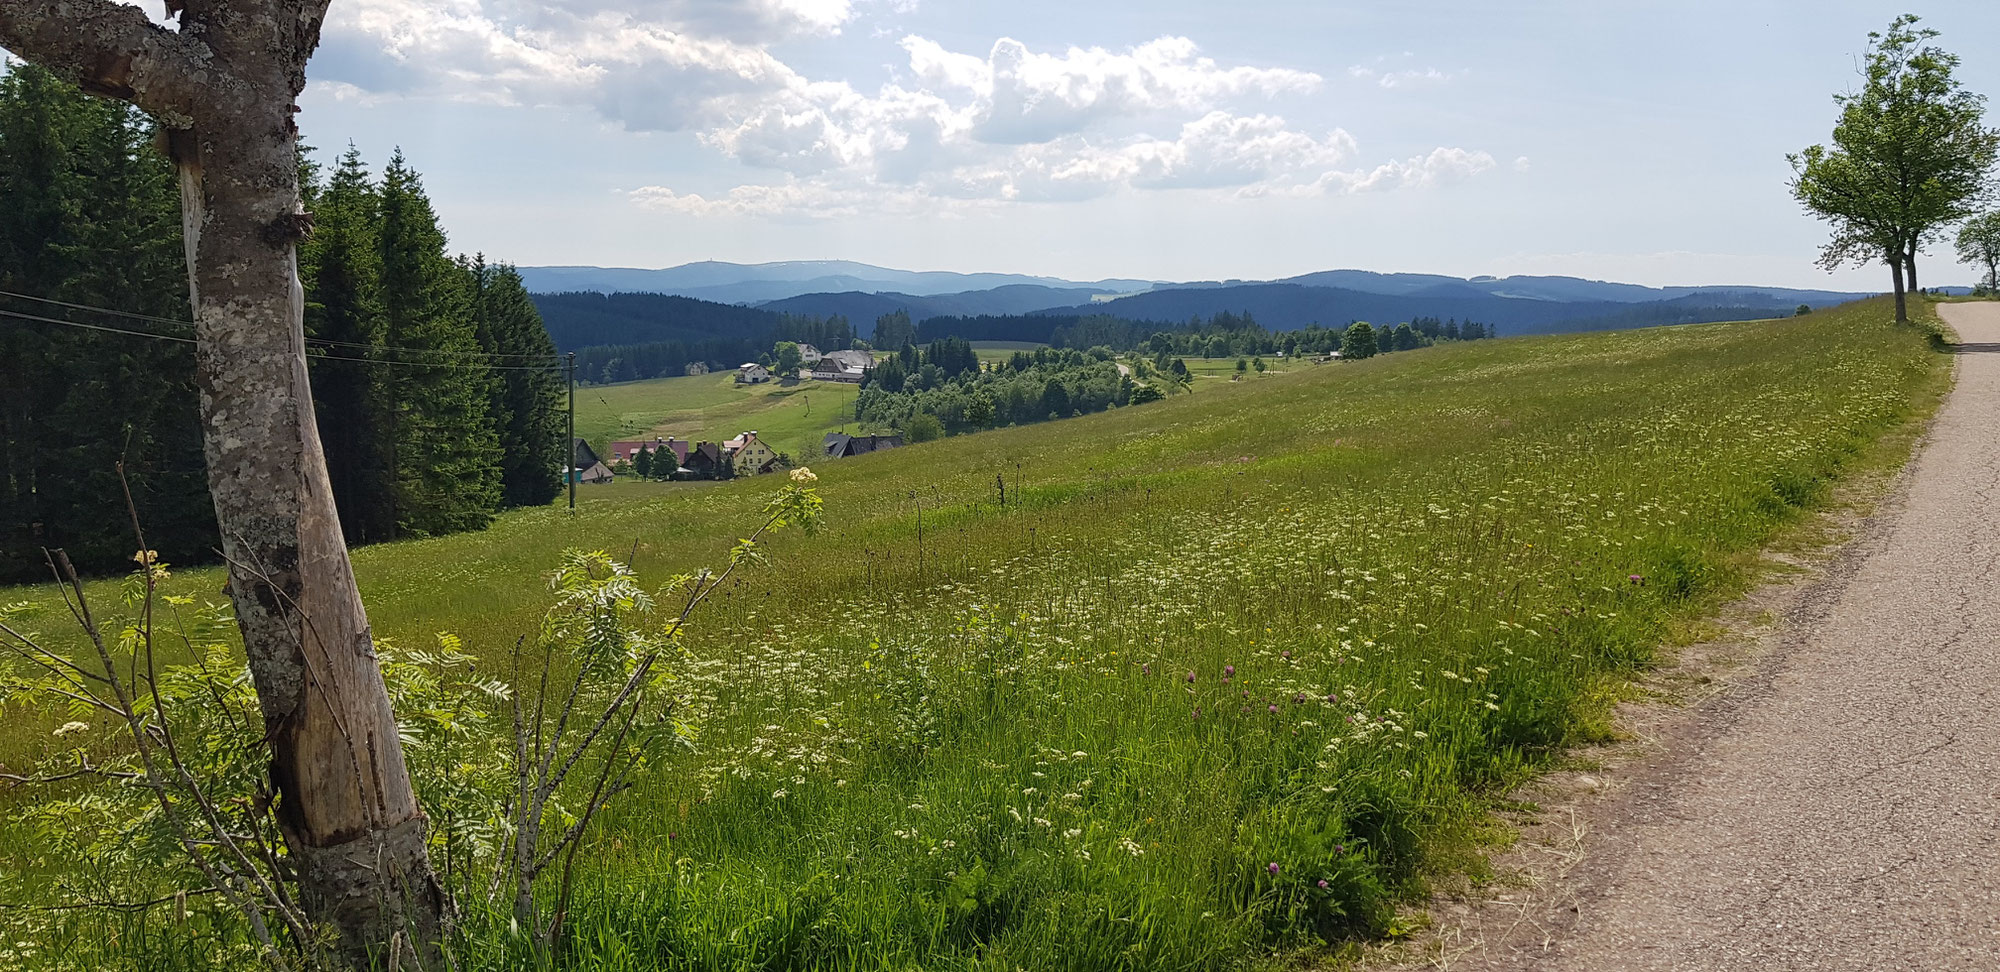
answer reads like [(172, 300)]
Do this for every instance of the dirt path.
[(1839, 807)]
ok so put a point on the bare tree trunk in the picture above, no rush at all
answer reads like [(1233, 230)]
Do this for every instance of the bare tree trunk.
[(1910, 262), (1896, 270), (224, 86)]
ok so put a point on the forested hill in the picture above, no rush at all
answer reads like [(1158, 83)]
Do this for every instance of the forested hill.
[(1289, 306), (583, 319)]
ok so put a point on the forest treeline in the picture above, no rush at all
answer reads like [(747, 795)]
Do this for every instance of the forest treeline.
[(942, 388), (436, 386), (681, 332)]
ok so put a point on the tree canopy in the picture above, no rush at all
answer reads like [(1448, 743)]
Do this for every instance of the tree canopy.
[(1910, 155)]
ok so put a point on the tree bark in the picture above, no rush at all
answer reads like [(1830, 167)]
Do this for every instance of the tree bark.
[(1910, 262), (1896, 270), (224, 86)]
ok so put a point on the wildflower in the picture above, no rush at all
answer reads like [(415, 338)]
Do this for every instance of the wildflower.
[(778, 794), (1274, 707), (1073, 833), (1272, 867), (1229, 670), (1190, 676), (804, 475), (1287, 653), (1639, 579), (1131, 846), (1322, 884), (71, 728)]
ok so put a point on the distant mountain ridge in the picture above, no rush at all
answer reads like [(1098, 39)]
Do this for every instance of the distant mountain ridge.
[(823, 281), (739, 283)]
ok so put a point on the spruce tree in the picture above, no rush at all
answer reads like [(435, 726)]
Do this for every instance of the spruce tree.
[(89, 214), (341, 269), (527, 405), (444, 449)]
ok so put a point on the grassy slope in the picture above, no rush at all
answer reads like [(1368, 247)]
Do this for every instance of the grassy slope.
[(714, 407), (1424, 568)]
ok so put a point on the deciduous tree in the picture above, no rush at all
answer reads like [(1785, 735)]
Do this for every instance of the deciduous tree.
[(1979, 245), (1910, 155)]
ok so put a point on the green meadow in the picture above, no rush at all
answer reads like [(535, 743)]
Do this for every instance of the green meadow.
[(714, 407), (1216, 686)]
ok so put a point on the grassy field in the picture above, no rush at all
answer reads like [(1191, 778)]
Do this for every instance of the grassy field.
[(714, 407), (1219, 684)]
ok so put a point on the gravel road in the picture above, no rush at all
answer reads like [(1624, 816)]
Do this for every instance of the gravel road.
[(1840, 810)]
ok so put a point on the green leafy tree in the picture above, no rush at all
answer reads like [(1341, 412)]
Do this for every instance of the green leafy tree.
[(1404, 338), (1242, 366), (923, 427), (786, 359), (1358, 342), (1910, 155), (1260, 365), (1055, 400), (1979, 244), (979, 414), (642, 462)]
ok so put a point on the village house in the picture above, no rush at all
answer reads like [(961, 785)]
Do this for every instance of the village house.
[(749, 456), (624, 451), (840, 445), (584, 465), (809, 355), (848, 366), (696, 368), (705, 461), (752, 373)]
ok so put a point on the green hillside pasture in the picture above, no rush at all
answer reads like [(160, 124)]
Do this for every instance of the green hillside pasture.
[(1224, 677), (714, 407)]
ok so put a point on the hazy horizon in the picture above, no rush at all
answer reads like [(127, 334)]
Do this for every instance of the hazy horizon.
[(1636, 143)]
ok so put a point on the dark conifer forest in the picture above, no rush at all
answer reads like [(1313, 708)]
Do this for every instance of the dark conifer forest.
[(436, 385)]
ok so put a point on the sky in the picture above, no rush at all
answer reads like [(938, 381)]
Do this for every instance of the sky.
[(1168, 139)]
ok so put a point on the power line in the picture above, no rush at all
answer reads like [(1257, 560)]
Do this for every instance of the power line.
[(95, 327), (553, 365), (323, 342)]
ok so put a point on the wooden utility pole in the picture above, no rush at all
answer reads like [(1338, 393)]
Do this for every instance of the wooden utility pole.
[(570, 370), (224, 88)]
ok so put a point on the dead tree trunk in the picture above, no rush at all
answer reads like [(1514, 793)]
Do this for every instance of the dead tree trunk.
[(224, 86)]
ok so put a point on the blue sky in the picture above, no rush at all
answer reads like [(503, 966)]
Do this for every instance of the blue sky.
[(1175, 139)]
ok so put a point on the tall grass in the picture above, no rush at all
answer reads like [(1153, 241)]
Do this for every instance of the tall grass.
[(1221, 680)]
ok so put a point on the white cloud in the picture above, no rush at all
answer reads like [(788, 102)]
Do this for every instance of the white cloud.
[(1023, 97), (951, 128), (1404, 78)]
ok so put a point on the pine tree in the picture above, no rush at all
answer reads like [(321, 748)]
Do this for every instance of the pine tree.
[(527, 411), (445, 451), (91, 216), (341, 269)]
